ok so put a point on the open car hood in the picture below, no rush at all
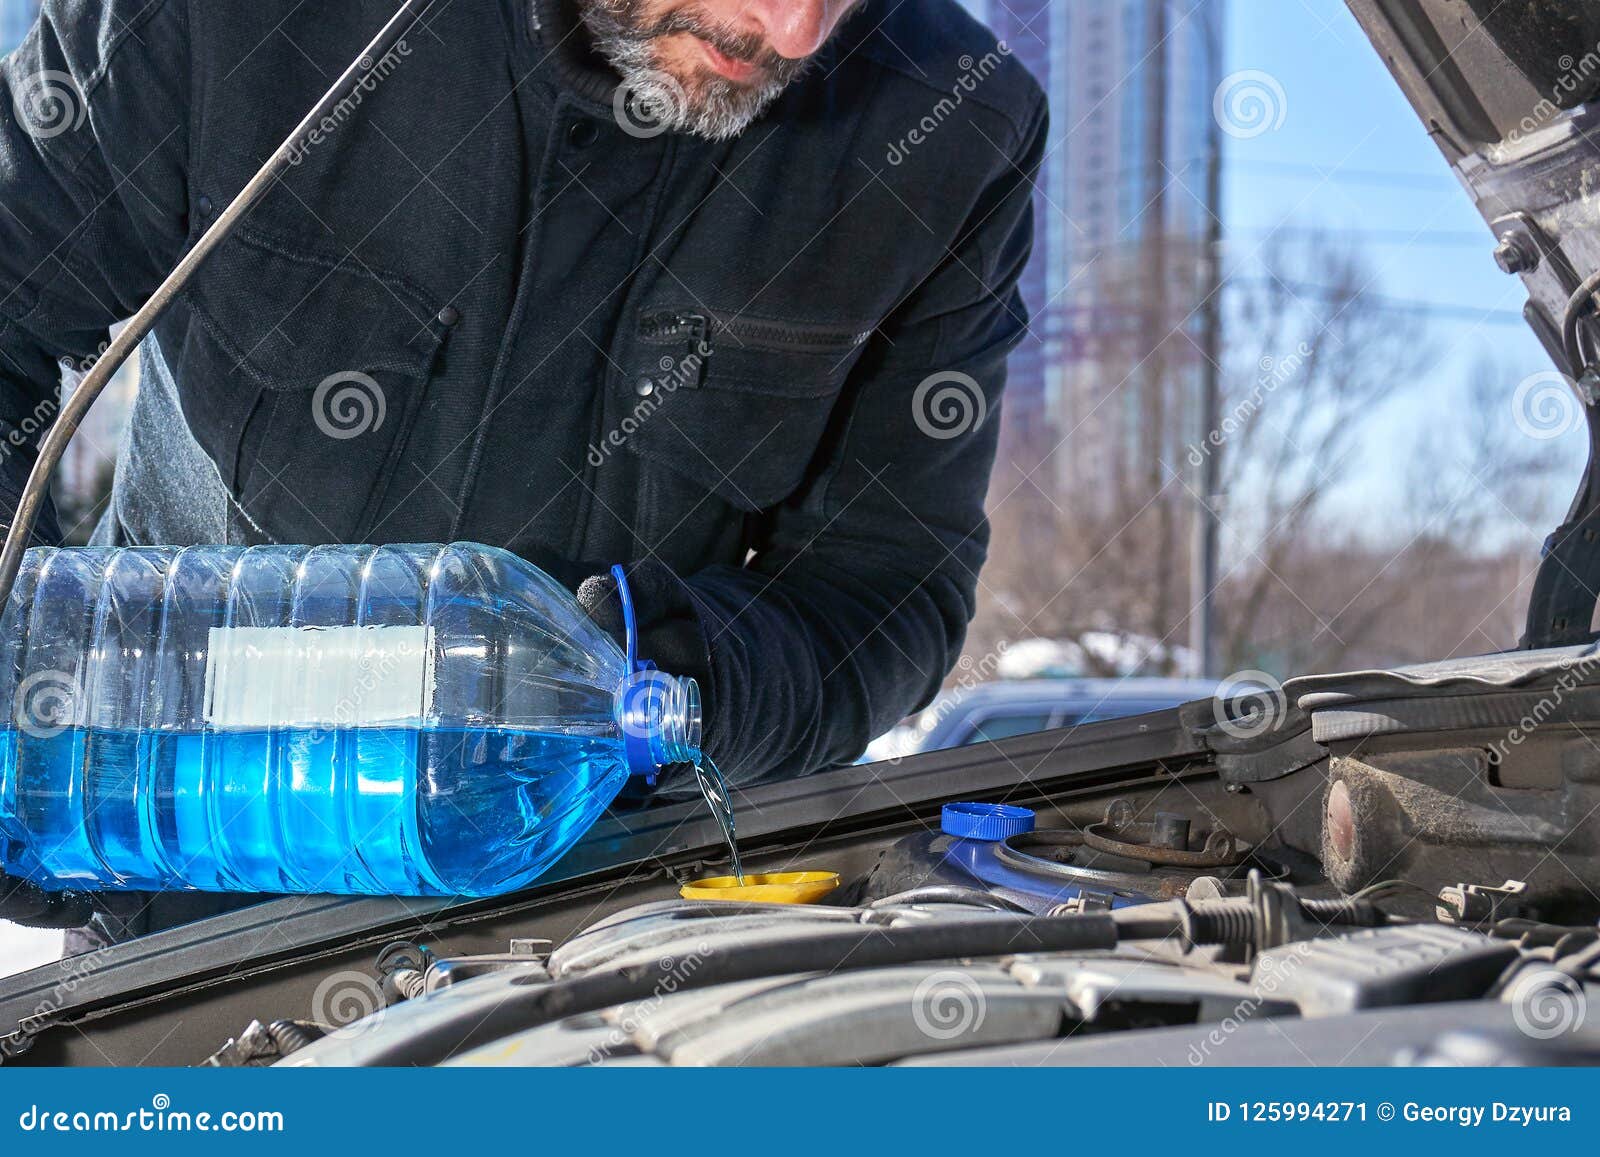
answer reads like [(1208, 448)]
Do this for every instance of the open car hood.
[(1510, 92), (1327, 792)]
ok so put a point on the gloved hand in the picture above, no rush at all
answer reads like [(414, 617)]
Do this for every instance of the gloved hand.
[(671, 631), (22, 903)]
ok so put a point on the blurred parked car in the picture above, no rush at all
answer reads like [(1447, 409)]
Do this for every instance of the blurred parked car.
[(1010, 707)]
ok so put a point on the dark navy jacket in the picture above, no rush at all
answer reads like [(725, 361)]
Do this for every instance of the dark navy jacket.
[(484, 306)]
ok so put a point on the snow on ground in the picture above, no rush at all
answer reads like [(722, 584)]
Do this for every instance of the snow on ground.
[(25, 948)]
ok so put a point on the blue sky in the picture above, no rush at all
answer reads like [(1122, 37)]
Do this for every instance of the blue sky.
[(1344, 113)]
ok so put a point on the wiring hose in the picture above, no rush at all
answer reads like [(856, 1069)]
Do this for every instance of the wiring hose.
[(139, 326), (1581, 301), (949, 894), (290, 1036)]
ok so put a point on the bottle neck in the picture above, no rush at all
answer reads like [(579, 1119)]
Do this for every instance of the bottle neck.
[(659, 716), (680, 722)]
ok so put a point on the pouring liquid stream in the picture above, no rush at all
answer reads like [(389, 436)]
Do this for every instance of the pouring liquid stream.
[(715, 789)]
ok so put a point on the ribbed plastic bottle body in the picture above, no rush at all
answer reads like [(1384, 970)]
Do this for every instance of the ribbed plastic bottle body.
[(400, 720)]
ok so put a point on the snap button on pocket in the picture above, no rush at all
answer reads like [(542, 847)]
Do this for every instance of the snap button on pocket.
[(582, 134), (644, 387)]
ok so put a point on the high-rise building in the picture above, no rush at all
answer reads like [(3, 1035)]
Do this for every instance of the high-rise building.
[(16, 17), (1120, 219)]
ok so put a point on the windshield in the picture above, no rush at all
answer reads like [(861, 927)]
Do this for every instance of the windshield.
[(1269, 408)]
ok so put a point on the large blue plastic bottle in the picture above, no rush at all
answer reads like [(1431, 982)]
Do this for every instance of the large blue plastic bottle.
[(398, 720)]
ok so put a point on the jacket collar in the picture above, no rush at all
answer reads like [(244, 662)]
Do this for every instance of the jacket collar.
[(560, 38)]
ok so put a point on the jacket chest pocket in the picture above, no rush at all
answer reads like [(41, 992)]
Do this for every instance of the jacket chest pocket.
[(736, 405), (302, 377)]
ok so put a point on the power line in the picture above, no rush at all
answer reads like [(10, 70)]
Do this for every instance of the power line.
[(1455, 311), (1445, 238)]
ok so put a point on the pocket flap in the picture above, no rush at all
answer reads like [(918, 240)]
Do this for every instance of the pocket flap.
[(749, 422), (290, 320)]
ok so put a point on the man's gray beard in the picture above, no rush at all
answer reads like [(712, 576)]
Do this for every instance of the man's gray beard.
[(710, 107)]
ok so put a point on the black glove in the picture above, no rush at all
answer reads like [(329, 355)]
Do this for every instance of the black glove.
[(671, 632)]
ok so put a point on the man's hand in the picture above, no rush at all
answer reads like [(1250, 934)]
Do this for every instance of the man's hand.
[(671, 632)]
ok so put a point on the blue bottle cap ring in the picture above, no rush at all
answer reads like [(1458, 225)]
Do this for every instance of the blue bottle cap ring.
[(985, 821)]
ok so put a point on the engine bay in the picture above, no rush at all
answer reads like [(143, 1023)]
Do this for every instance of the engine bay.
[(1375, 868)]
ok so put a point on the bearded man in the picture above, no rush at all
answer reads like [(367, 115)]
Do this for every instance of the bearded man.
[(720, 289)]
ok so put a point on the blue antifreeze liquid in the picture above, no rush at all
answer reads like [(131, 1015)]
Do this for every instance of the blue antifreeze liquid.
[(715, 790), (403, 811)]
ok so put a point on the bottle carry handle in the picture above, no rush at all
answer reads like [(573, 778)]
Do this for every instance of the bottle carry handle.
[(630, 621)]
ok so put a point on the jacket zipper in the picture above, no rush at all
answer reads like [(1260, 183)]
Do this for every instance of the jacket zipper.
[(785, 335), (766, 335), (670, 326)]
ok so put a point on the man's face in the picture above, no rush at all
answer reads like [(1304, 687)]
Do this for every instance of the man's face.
[(709, 66)]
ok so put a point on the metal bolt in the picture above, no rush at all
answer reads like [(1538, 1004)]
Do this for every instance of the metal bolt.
[(1516, 254), (1589, 386)]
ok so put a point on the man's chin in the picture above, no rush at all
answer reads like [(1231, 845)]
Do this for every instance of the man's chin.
[(725, 119), (706, 105), (669, 82)]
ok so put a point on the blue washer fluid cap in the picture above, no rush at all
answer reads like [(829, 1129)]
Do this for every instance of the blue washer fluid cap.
[(985, 821)]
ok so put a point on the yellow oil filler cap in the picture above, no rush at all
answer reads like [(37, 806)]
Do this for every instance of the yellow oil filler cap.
[(766, 888)]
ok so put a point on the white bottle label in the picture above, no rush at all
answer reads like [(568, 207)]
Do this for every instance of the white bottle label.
[(325, 677)]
